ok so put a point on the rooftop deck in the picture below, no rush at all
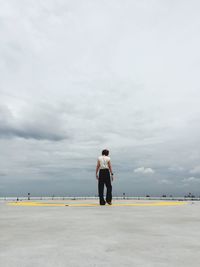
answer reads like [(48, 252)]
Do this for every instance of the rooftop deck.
[(149, 233)]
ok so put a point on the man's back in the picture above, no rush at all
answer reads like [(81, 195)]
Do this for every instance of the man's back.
[(103, 160)]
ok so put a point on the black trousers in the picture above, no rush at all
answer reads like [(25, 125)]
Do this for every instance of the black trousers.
[(104, 178)]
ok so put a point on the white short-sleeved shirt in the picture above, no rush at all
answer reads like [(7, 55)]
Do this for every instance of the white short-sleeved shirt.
[(103, 160)]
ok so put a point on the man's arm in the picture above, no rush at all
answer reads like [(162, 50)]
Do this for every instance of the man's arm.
[(97, 169), (110, 168)]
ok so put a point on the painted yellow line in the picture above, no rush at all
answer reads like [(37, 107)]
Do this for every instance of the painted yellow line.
[(40, 204), (36, 204)]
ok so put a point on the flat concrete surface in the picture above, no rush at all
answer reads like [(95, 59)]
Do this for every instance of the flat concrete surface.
[(100, 236)]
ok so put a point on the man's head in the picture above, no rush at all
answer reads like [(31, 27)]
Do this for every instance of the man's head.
[(105, 152)]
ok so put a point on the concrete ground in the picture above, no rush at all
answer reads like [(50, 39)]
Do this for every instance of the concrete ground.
[(100, 236)]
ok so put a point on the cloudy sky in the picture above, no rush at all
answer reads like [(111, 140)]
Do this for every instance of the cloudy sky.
[(79, 76)]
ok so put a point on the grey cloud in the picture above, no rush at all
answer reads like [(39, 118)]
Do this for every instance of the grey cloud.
[(30, 133), (144, 170), (165, 182), (43, 126), (195, 170), (176, 169), (191, 180)]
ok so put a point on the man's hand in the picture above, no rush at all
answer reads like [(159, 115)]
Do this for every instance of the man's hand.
[(97, 177)]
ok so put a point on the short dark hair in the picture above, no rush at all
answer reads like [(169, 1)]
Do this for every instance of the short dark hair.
[(105, 152)]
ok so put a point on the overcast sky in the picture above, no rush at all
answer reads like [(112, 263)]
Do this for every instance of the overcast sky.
[(80, 76)]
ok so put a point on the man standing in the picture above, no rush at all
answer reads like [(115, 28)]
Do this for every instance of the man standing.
[(105, 169)]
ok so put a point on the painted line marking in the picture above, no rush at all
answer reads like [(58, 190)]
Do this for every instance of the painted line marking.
[(43, 204)]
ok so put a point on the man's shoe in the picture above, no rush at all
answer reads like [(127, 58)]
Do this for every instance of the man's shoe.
[(109, 202)]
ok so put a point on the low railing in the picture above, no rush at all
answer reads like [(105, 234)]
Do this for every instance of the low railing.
[(95, 197)]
